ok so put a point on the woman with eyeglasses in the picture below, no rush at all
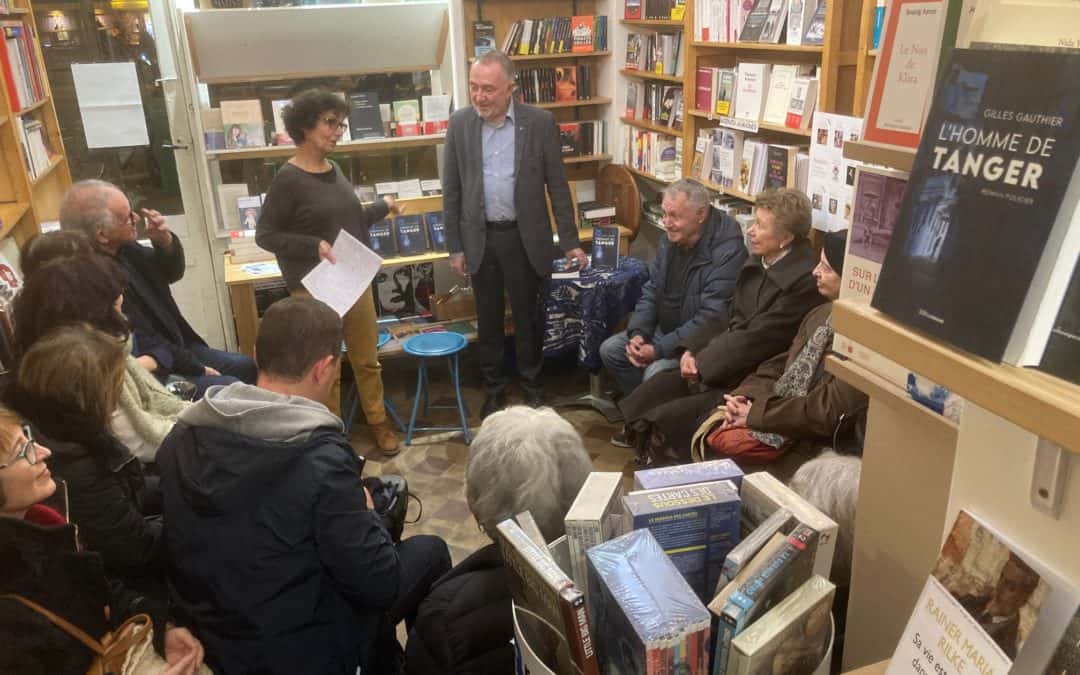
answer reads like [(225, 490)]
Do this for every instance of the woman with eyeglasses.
[(309, 202), (66, 387), (41, 561)]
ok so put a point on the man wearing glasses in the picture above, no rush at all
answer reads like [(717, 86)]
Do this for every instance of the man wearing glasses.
[(165, 343)]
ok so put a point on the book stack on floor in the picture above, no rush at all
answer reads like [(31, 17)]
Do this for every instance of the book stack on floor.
[(643, 566), (556, 35), (564, 84), (793, 22)]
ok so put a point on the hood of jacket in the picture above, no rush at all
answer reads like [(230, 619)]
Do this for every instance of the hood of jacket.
[(239, 438)]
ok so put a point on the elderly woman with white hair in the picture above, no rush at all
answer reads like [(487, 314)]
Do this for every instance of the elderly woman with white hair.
[(521, 460)]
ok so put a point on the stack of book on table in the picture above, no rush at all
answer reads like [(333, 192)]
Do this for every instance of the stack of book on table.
[(698, 569)]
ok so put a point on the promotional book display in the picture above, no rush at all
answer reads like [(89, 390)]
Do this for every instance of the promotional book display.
[(240, 123), (831, 180), (605, 249), (989, 606), (556, 35), (409, 235), (651, 560), (989, 209), (793, 22)]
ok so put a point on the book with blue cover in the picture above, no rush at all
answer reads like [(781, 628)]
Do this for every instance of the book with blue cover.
[(436, 229), (648, 619), (409, 234), (685, 474), (381, 236), (605, 248), (788, 569), (697, 525)]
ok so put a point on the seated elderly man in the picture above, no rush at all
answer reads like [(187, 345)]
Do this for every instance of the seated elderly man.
[(165, 343), (691, 280), (773, 293), (523, 459)]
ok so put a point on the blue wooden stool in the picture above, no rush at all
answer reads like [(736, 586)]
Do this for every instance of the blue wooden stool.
[(352, 399), (429, 346)]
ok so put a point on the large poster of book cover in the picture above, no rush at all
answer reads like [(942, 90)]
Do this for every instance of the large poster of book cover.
[(997, 151)]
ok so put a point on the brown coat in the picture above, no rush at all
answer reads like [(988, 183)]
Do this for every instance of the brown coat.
[(811, 417), (766, 310)]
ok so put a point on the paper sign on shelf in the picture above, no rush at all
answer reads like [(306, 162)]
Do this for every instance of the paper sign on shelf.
[(110, 104)]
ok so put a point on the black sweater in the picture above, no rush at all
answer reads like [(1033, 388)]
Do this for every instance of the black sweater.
[(303, 209)]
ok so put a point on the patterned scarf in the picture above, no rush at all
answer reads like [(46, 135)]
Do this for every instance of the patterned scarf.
[(797, 377)]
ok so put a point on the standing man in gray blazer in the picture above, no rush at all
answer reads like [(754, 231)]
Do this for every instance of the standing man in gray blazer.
[(499, 156)]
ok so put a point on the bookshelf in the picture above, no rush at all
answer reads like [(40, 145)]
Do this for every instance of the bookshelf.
[(27, 200), (844, 62), (266, 54), (504, 13)]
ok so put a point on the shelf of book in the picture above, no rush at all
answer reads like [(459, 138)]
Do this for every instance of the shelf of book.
[(760, 47), (890, 156), (551, 57), (762, 126), (646, 176), (653, 23), (585, 159), (595, 100), (728, 191), (651, 126), (54, 162), (29, 109), (347, 147), (13, 11), (646, 75), (1042, 404), (10, 215)]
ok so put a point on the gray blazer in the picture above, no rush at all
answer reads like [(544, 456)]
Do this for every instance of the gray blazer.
[(537, 162)]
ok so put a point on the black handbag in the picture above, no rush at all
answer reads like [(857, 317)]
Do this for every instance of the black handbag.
[(390, 495)]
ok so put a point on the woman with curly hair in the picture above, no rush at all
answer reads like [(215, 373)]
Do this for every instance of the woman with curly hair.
[(309, 202)]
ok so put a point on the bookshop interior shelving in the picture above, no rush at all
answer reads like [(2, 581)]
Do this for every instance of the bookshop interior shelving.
[(29, 197)]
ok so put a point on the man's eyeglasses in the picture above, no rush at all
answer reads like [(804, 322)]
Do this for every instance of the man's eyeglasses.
[(335, 123), (27, 451)]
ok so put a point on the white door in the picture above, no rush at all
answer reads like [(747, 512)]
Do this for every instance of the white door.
[(161, 175)]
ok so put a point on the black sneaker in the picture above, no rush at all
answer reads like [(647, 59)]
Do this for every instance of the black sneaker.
[(624, 438)]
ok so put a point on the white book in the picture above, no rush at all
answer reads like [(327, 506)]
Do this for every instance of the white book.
[(762, 494), (228, 196), (752, 82), (595, 516), (281, 136), (409, 188), (435, 108), (799, 14), (802, 103), (781, 82)]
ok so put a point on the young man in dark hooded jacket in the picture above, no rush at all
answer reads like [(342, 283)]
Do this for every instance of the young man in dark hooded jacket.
[(277, 560)]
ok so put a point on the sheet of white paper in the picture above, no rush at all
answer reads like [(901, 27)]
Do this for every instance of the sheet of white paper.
[(110, 104), (341, 284)]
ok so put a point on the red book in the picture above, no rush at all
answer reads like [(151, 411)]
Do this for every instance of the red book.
[(581, 32), (633, 9), (703, 93), (13, 92)]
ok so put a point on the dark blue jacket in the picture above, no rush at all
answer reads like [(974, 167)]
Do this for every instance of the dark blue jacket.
[(708, 285), (160, 330), (274, 560)]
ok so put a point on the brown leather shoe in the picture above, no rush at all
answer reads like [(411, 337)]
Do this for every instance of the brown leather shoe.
[(386, 439)]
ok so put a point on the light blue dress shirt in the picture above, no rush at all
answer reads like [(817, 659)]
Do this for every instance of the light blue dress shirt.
[(498, 156)]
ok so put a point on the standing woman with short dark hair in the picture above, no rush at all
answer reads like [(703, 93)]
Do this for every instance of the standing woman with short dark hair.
[(309, 202)]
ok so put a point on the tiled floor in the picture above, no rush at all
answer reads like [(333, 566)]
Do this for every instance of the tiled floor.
[(434, 464)]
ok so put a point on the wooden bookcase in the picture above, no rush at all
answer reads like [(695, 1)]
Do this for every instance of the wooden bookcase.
[(24, 201), (503, 13), (844, 60)]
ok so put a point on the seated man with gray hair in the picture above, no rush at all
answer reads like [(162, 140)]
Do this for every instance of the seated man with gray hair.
[(691, 280), (523, 459), (165, 343)]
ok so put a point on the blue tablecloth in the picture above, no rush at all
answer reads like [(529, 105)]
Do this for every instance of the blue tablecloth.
[(583, 312)]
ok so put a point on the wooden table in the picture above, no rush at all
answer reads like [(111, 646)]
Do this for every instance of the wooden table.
[(242, 286)]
